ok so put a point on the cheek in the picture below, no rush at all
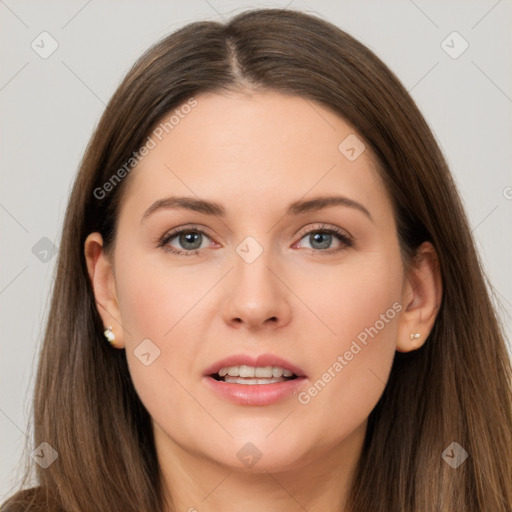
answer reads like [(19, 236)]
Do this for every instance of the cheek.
[(159, 308), (153, 298), (352, 296), (359, 306), (158, 337)]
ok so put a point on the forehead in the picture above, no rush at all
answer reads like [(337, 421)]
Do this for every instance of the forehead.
[(264, 147)]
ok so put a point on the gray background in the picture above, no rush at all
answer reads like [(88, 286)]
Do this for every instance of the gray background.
[(50, 106)]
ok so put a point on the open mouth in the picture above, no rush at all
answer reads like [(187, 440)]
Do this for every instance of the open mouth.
[(243, 374)]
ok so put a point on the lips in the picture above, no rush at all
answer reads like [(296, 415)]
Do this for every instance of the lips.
[(261, 361), (254, 380)]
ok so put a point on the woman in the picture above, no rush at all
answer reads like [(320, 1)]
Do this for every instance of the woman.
[(267, 294)]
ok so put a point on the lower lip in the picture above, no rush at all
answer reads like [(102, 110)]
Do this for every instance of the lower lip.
[(255, 394)]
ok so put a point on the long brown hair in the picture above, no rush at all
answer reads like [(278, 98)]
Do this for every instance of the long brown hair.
[(457, 387)]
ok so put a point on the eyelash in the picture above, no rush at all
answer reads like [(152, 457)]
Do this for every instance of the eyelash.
[(341, 235)]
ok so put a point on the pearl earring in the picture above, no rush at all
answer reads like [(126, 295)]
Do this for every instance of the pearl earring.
[(109, 334), (415, 335)]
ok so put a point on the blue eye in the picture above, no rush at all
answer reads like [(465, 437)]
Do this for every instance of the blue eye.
[(321, 240), (189, 241)]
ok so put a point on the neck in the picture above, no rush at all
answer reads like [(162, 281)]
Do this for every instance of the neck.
[(316, 483)]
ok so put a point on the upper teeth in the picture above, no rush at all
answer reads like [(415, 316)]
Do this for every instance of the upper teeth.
[(251, 371)]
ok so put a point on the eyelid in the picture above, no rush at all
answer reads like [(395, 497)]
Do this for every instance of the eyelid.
[(162, 241), (184, 227), (320, 226), (344, 238)]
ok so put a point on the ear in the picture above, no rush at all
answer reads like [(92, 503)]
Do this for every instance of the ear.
[(421, 299), (101, 274)]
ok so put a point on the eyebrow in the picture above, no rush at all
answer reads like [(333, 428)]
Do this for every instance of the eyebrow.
[(212, 208)]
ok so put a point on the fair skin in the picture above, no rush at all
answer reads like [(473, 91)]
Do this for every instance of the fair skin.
[(255, 155)]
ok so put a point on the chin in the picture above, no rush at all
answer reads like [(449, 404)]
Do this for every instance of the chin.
[(261, 454)]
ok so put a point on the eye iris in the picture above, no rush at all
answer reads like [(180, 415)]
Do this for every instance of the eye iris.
[(324, 239), (190, 238)]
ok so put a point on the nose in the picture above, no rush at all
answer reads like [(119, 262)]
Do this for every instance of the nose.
[(256, 296)]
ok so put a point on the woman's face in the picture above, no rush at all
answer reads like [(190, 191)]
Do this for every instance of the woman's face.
[(267, 273)]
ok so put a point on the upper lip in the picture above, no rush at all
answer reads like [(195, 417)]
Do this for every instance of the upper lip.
[(260, 360)]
